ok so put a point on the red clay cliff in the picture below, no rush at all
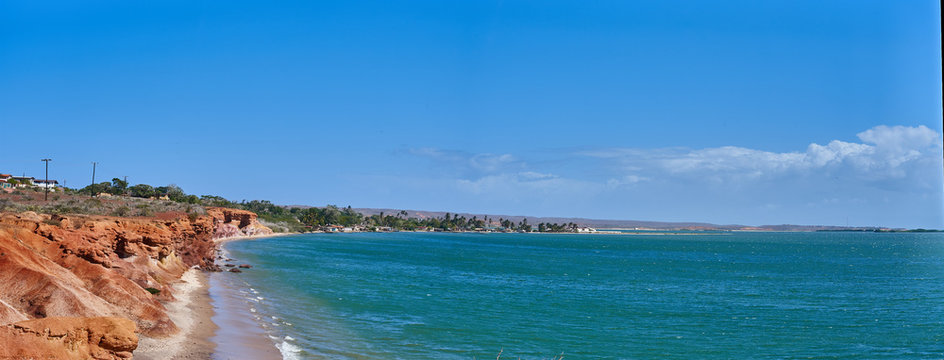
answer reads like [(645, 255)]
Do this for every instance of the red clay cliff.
[(67, 269), (106, 338), (233, 222)]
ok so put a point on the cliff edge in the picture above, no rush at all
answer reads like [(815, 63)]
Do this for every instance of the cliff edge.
[(84, 267), (234, 222)]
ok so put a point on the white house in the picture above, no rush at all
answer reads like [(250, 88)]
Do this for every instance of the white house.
[(43, 184)]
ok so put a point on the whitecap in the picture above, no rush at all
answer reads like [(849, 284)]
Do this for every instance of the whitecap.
[(289, 351)]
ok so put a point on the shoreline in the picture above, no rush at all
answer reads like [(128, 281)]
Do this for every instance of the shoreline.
[(199, 314), (251, 237), (238, 335), (192, 312)]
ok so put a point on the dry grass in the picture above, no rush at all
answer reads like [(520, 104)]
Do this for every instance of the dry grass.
[(60, 203)]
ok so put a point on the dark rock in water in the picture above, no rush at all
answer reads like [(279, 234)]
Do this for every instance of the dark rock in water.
[(245, 266), (211, 268), (235, 270), (229, 265)]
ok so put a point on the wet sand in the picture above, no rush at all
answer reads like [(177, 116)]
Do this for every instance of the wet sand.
[(214, 320), (239, 335), (192, 312)]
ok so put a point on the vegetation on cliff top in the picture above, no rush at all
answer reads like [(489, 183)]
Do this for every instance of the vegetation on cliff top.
[(117, 198), (70, 203)]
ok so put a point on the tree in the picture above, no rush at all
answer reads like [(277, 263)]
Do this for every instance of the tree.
[(173, 192), (95, 189), (118, 186), (142, 191), (213, 200), (349, 217)]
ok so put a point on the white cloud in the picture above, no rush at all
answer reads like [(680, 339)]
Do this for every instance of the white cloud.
[(835, 152), (527, 183), (471, 164), (885, 152), (901, 138), (531, 175), (490, 162), (889, 162), (624, 181)]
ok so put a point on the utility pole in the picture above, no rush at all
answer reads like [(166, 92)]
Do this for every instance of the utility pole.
[(93, 172), (46, 196)]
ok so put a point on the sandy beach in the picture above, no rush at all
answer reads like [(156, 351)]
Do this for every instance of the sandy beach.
[(214, 321), (192, 312)]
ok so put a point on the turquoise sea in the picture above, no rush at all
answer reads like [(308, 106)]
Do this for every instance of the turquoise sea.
[(723, 296)]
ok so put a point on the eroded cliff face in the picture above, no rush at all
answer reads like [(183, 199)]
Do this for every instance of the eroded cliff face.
[(105, 338), (233, 222), (94, 266)]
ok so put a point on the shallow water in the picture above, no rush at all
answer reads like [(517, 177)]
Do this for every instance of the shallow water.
[(464, 296), (239, 333)]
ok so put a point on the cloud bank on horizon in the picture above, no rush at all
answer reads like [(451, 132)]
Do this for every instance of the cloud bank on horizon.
[(884, 153), (890, 167)]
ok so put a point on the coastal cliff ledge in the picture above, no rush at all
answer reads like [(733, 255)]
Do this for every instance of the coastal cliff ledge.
[(85, 267), (105, 338)]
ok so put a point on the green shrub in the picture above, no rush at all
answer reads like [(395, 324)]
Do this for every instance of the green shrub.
[(122, 211)]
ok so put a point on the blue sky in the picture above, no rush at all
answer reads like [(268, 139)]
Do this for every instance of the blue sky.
[(750, 112)]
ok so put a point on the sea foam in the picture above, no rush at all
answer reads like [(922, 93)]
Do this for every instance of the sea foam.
[(289, 351)]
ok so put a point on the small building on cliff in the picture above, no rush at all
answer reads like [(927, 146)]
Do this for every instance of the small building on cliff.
[(21, 181), (44, 184), (10, 182), (4, 185)]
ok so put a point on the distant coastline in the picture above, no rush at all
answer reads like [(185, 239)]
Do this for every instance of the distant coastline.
[(145, 200)]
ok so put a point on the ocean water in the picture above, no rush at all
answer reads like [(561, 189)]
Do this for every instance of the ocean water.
[(536, 296)]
